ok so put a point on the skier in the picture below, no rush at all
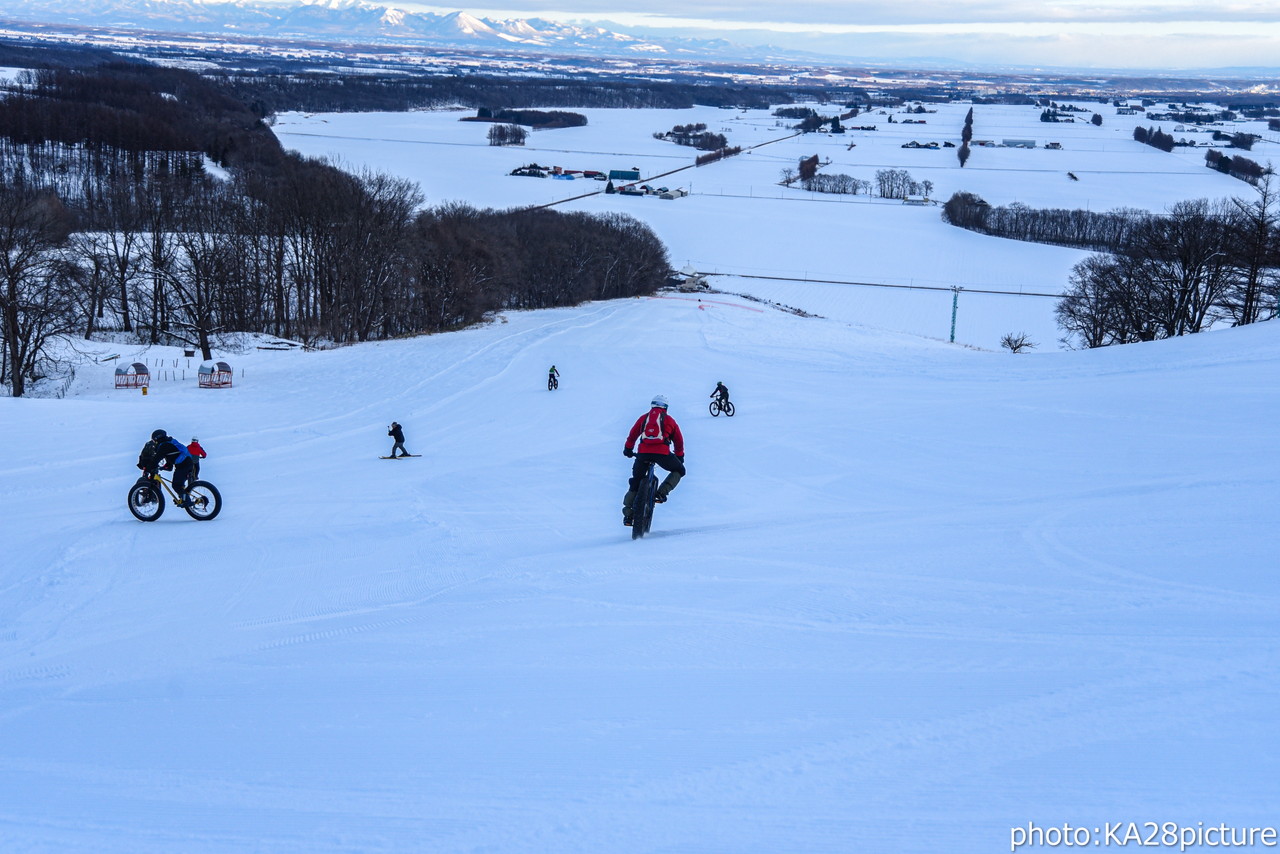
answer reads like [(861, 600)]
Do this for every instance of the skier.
[(721, 391), (657, 432), (553, 378), (164, 452), (197, 454), (395, 432)]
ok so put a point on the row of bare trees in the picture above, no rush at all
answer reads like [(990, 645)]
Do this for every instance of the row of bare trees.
[(302, 250), (1202, 263), (889, 183), (1077, 228)]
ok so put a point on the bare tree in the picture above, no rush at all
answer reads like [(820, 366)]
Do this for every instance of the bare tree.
[(1016, 343), (35, 287), (1255, 253), (1181, 260)]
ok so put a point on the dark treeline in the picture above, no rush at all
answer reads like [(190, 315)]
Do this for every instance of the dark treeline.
[(1237, 167), (694, 135), (718, 154), (1243, 141), (97, 237), (1192, 117), (133, 107), (794, 112), (17, 55), (1079, 229), (274, 93), (542, 119)]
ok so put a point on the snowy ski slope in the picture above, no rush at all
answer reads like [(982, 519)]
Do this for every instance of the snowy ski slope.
[(910, 597)]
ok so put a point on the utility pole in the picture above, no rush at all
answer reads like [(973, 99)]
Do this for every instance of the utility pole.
[(955, 304)]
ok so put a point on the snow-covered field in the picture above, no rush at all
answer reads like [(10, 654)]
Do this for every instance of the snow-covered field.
[(739, 220), (910, 597)]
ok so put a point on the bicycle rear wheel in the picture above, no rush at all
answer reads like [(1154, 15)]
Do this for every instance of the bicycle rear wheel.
[(204, 500), (728, 408), (145, 501), (642, 509)]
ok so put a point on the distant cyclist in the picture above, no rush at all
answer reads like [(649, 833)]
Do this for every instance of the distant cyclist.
[(721, 391), (165, 452), (657, 432), (553, 378), (197, 454)]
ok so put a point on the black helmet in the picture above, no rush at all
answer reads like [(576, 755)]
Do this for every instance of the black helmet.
[(159, 435)]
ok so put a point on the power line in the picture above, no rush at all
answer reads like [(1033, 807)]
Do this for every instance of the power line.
[(883, 285)]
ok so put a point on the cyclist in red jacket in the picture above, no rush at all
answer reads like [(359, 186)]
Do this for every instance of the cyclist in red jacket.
[(197, 453), (662, 444)]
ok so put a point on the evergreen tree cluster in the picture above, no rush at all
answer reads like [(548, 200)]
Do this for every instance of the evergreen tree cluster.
[(1154, 137)]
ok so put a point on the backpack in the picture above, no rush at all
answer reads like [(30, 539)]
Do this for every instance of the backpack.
[(653, 427), (183, 453)]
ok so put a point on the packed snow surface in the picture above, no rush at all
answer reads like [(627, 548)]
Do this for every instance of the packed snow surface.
[(910, 597)]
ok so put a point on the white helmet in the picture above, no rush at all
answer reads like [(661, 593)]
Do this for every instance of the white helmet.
[(659, 400)]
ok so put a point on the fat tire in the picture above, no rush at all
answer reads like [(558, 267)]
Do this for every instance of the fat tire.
[(208, 501), (637, 515), (642, 506), (145, 501)]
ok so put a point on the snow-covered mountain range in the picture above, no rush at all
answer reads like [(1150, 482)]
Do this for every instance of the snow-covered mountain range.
[(345, 20)]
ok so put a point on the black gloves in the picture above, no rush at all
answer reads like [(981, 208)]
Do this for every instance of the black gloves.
[(627, 452)]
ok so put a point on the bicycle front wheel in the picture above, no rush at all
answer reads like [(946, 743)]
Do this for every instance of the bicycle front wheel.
[(145, 502), (715, 409), (204, 500)]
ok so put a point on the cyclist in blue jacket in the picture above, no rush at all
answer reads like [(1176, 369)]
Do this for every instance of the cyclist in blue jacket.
[(165, 452)]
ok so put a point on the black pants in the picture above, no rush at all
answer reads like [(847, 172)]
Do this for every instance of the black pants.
[(670, 462), (182, 474), (399, 445)]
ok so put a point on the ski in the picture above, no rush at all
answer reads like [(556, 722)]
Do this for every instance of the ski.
[(401, 457)]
